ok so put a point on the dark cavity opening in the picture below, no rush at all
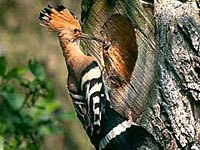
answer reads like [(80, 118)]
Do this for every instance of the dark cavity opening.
[(120, 31)]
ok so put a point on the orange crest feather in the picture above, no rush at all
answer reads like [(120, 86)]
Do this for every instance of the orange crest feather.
[(57, 19)]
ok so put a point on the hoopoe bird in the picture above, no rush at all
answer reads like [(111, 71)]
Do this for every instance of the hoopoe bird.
[(106, 128)]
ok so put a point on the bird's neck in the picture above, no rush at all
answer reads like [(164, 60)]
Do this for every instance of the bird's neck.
[(76, 61), (71, 52)]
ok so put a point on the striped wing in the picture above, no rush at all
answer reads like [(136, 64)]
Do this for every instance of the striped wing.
[(90, 101)]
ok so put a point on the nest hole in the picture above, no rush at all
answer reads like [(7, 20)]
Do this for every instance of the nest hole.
[(124, 51)]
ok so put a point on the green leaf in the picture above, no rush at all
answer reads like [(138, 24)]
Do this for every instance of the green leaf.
[(50, 106), (50, 95), (13, 98), (37, 70), (44, 130), (2, 65), (33, 147), (33, 85), (15, 73)]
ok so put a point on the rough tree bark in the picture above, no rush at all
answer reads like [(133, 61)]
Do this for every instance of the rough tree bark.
[(156, 49)]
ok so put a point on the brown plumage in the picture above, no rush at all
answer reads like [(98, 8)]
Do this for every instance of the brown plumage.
[(68, 28)]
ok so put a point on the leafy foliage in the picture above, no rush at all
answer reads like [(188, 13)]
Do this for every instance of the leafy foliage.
[(27, 107)]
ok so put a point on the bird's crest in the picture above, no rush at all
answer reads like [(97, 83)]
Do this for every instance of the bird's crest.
[(58, 19)]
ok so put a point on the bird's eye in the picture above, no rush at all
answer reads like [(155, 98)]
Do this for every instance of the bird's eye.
[(76, 30)]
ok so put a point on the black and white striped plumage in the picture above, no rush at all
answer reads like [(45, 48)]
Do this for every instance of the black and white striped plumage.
[(106, 128), (90, 102)]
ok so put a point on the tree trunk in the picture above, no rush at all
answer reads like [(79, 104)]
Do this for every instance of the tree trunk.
[(159, 59), (176, 111)]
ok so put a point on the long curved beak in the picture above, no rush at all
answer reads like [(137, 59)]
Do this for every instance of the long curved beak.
[(89, 37)]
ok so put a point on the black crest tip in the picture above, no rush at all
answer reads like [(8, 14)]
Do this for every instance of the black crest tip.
[(60, 8), (41, 16), (48, 11), (50, 6)]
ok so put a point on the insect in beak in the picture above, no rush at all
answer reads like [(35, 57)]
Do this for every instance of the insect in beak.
[(106, 45)]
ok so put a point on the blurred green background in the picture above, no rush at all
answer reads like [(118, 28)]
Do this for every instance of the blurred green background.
[(22, 39)]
